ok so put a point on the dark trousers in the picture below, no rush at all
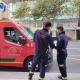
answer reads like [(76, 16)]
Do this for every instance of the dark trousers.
[(41, 60), (61, 60)]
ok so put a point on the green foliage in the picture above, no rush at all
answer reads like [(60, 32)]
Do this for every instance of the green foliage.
[(48, 8), (43, 9), (76, 6), (22, 10), (77, 2)]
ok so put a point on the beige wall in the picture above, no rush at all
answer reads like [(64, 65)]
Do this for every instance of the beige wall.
[(70, 26), (71, 34), (6, 1), (4, 14)]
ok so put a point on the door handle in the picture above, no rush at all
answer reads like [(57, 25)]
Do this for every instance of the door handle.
[(6, 47)]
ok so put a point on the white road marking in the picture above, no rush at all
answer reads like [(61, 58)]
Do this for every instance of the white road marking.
[(73, 48), (71, 57), (77, 59)]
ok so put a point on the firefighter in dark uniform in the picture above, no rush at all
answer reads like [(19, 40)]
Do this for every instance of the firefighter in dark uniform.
[(62, 42), (42, 40)]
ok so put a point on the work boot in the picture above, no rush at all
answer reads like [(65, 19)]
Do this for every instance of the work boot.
[(62, 78), (59, 77), (30, 75), (41, 79)]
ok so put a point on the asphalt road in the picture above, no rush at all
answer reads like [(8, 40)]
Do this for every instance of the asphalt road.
[(73, 67), (73, 61)]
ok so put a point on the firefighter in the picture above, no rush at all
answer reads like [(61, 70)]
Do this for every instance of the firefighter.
[(62, 42), (42, 40)]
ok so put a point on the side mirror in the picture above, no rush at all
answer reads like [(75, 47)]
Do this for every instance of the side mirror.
[(21, 40)]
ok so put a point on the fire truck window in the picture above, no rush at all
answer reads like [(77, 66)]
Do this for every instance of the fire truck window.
[(11, 34)]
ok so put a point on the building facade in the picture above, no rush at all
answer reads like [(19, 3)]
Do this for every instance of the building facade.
[(71, 27)]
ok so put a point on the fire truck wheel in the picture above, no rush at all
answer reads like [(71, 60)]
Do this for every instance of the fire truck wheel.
[(28, 65)]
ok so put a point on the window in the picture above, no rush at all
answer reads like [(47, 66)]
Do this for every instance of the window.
[(28, 32), (11, 34), (78, 34), (79, 22)]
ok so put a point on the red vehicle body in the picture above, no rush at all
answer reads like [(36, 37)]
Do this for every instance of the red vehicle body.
[(12, 52)]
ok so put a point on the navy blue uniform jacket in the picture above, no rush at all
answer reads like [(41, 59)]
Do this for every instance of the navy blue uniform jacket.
[(62, 42), (42, 41)]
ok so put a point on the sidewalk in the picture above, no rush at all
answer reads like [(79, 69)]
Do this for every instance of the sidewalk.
[(24, 76), (53, 76)]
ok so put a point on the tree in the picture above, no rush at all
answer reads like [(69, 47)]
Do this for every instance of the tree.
[(43, 9), (22, 10), (49, 8), (77, 4)]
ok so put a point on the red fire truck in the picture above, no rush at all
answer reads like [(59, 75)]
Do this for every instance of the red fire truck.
[(16, 47)]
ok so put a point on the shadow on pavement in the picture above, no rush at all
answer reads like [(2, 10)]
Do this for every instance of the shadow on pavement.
[(11, 69)]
